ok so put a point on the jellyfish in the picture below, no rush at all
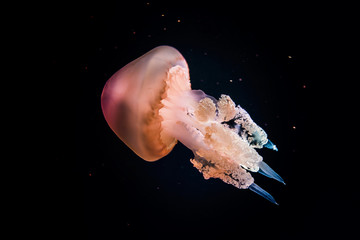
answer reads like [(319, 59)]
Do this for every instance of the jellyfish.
[(150, 106)]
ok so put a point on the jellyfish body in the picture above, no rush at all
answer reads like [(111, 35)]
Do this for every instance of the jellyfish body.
[(150, 105)]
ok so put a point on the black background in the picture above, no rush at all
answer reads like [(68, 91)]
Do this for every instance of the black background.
[(280, 61)]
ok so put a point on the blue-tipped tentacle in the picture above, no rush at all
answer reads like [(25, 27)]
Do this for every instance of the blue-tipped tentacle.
[(256, 189), (267, 171), (270, 145)]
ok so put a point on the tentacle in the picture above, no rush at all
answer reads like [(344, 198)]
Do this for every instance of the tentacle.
[(256, 189), (267, 171), (270, 145)]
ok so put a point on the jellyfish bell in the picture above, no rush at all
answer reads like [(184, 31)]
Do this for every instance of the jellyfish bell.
[(131, 100), (150, 105)]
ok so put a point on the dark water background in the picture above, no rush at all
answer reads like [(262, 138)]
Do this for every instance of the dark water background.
[(272, 60)]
